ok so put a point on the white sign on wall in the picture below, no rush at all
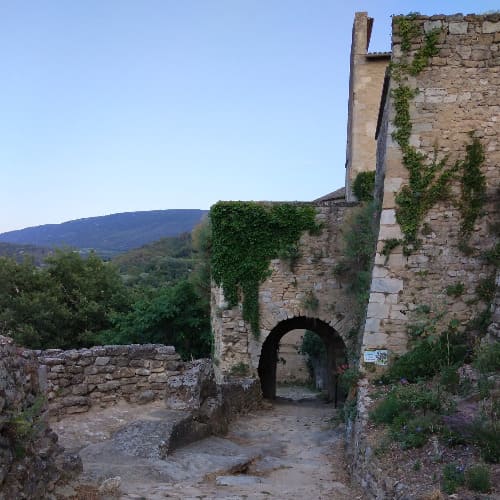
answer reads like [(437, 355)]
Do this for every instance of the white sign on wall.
[(378, 356)]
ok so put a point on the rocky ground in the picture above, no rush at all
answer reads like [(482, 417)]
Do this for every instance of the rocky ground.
[(290, 449)]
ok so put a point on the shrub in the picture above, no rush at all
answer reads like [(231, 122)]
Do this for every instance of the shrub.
[(349, 378), (486, 435), (404, 401), (364, 185), (477, 478), (450, 379), (414, 432), (427, 358), (487, 359), (453, 477)]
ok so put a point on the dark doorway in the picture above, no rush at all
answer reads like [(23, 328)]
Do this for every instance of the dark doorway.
[(335, 354)]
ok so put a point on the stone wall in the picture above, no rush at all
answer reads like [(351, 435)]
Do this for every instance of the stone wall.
[(365, 87), (31, 461), (77, 380), (308, 290), (292, 365), (458, 93)]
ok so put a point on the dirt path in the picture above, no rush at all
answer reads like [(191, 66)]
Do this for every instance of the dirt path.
[(289, 450)]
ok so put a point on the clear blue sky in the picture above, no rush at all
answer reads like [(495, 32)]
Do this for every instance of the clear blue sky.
[(117, 105)]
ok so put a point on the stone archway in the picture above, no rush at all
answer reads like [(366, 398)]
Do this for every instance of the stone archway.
[(335, 351)]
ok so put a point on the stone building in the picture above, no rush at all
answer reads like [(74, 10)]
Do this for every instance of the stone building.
[(454, 102), (366, 78)]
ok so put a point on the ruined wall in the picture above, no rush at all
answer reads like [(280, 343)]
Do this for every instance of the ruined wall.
[(77, 380), (310, 289), (458, 93), (365, 87), (31, 461)]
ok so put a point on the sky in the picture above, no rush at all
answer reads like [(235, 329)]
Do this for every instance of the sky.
[(111, 106)]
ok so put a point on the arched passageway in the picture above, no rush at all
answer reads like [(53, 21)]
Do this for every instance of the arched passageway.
[(335, 354)]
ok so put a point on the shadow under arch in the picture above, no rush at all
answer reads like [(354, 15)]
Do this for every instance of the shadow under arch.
[(335, 354)]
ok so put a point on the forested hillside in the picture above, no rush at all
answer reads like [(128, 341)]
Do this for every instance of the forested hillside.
[(111, 234), (158, 293), (22, 252)]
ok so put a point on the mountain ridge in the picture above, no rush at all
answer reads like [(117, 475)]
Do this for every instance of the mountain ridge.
[(109, 234)]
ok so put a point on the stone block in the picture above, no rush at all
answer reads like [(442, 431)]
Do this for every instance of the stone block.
[(388, 216), (386, 285), (101, 360), (490, 27), (377, 310), (458, 28), (142, 371), (432, 25)]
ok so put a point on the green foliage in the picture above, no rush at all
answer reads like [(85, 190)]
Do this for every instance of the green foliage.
[(360, 239), (389, 246), (414, 432), (429, 179), (364, 186), (157, 264), (312, 345), (453, 477), (349, 410), (240, 370), (23, 426), (408, 30), (310, 301), (427, 358), (63, 304), (455, 290), (412, 413), (487, 358), (473, 184), (429, 182), (477, 478), (492, 256), (486, 436), (486, 289), (245, 237), (349, 378), (403, 401), (450, 379), (170, 315)]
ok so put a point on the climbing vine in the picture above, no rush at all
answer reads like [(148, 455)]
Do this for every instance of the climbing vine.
[(473, 186), (429, 177), (245, 237)]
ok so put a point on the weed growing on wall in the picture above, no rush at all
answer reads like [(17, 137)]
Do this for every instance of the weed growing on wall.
[(245, 237)]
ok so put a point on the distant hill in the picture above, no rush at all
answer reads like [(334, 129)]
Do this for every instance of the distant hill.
[(22, 252), (160, 263), (110, 234)]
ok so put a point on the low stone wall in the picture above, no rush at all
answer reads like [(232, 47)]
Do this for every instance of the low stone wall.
[(31, 461), (77, 380)]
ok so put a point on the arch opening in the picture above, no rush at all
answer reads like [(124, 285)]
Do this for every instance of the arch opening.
[(335, 355)]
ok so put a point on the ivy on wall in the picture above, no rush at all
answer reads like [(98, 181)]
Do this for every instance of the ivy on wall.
[(429, 177), (245, 237)]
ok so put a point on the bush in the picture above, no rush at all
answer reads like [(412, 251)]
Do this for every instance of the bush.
[(364, 185), (450, 379), (477, 478), (349, 378), (404, 401), (453, 477), (427, 358), (487, 359), (486, 435), (413, 433)]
